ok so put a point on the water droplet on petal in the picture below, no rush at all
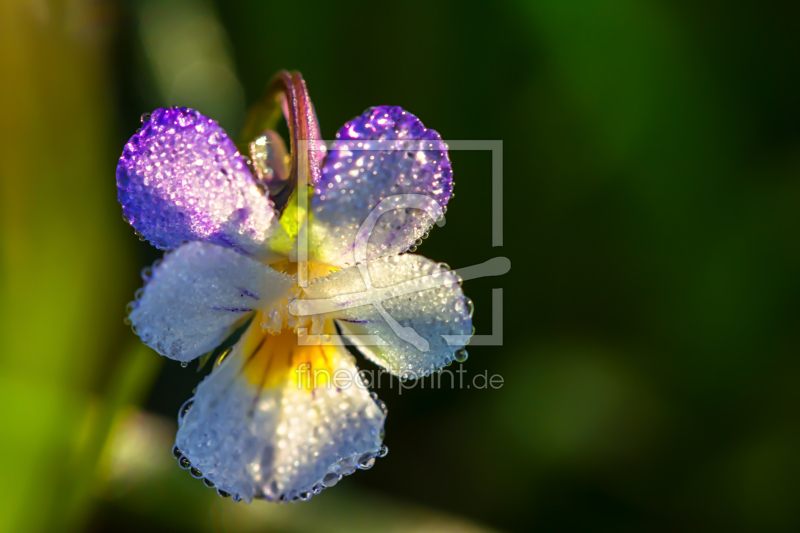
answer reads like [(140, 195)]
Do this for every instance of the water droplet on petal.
[(366, 461), (184, 409), (461, 355), (331, 479)]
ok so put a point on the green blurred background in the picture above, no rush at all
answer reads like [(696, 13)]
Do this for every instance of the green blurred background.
[(652, 185)]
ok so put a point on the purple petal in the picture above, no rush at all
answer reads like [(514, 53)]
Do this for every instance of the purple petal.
[(180, 178), (386, 153)]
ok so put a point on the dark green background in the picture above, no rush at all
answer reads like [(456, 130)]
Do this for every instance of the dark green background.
[(651, 186)]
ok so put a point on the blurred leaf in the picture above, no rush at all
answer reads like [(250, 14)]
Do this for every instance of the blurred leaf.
[(59, 229)]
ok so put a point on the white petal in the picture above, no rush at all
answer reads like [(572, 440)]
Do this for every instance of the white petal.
[(412, 305), (197, 293), (279, 442)]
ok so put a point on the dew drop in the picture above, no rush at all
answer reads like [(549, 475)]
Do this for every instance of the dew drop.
[(366, 461), (184, 463), (176, 452), (383, 451), (196, 473), (185, 409), (318, 488), (208, 483), (223, 493), (184, 364), (461, 355), (305, 496), (331, 479), (145, 117)]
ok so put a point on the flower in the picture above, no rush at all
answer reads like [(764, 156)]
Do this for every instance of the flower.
[(284, 412)]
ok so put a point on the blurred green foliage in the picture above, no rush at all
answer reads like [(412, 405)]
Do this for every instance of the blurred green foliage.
[(652, 185)]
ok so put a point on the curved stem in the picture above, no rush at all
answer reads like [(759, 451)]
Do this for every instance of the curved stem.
[(287, 94), (265, 114)]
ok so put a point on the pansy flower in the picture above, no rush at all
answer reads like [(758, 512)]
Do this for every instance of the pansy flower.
[(272, 259)]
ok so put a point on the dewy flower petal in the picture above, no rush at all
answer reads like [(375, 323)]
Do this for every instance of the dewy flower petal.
[(197, 294), (280, 420), (180, 178), (385, 153), (418, 294)]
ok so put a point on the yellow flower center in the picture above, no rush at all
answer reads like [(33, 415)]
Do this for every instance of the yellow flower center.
[(315, 270), (272, 359)]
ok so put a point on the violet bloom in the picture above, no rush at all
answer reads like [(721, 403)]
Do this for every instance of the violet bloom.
[(284, 413)]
